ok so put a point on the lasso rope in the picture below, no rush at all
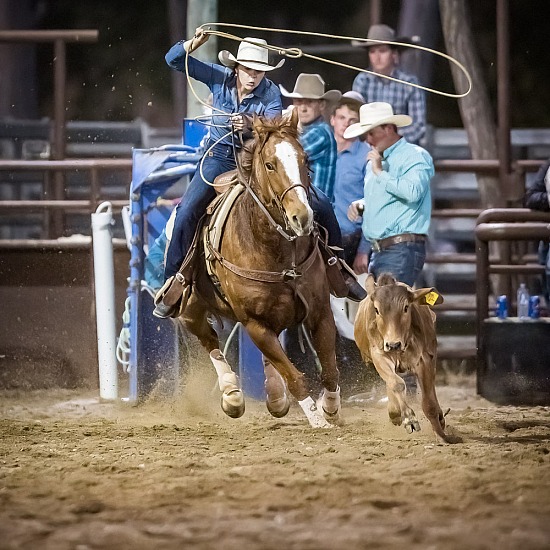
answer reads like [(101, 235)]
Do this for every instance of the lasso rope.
[(296, 53)]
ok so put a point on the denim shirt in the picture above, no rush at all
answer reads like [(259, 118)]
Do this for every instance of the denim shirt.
[(264, 100), (348, 187)]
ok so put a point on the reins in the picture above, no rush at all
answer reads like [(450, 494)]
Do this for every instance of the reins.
[(245, 180), (289, 275)]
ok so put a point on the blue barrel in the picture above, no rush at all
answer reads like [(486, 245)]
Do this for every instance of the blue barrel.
[(193, 132), (251, 367)]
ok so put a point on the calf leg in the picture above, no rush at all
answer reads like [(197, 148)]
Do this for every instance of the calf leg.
[(398, 409), (430, 404)]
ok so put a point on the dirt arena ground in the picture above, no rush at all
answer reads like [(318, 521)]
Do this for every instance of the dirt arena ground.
[(79, 474)]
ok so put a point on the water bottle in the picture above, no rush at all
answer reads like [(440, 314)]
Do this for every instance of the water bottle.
[(523, 302)]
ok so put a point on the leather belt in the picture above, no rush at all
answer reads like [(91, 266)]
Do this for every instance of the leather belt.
[(381, 244)]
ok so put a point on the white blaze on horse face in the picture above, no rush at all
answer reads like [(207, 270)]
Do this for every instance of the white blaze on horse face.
[(288, 157)]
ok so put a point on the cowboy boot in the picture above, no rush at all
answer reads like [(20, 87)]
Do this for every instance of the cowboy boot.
[(168, 300), (356, 293), (162, 311)]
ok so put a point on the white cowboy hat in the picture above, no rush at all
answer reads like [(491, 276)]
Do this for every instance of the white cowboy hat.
[(249, 55), (375, 114), (381, 34), (311, 86)]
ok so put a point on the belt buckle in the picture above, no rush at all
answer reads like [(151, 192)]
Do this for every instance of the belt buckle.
[(375, 246)]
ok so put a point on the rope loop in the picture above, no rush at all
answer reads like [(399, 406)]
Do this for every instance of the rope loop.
[(295, 53)]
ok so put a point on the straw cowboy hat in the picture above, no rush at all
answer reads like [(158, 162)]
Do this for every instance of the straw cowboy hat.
[(311, 86), (380, 34), (250, 55), (375, 114)]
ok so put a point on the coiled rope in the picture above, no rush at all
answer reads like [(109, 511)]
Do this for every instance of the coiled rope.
[(296, 53)]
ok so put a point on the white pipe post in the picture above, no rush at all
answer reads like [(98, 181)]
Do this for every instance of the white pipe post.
[(104, 279)]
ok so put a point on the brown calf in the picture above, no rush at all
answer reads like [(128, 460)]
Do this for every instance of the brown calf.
[(394, 330)]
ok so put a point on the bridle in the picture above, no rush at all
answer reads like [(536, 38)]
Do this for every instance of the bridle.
[(277, 200)]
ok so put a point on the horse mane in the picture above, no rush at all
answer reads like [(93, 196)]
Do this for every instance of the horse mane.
[(281, 124)]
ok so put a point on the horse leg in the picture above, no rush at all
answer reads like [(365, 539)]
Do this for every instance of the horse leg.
[(232, 395), (277, 400), (323, 335), (266, 340), (196, 321)]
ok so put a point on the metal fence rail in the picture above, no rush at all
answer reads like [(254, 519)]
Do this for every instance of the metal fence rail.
[(96, 166)]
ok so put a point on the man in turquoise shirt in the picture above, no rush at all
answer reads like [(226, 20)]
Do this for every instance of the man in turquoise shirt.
[(397, 203)]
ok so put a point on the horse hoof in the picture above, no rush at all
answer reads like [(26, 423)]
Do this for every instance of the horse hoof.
[(395, 417), (278, 412), (315, 418), (411, 425), (233, 403), (334, 418)]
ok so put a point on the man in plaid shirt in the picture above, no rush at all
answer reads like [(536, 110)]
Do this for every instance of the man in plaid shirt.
[(309, 99), (405, 100)]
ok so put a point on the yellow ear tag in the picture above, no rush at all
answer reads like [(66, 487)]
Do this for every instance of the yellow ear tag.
[(431, 298)]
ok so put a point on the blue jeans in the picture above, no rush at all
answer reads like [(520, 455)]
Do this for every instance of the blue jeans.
[(403, 260), (199, 195), (193, 205), (324, 215)]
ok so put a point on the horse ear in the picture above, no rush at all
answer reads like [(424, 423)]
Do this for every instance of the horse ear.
[(292, 118), (257, 124)]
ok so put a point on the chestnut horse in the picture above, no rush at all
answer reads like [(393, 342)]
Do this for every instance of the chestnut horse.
[(271, 276)]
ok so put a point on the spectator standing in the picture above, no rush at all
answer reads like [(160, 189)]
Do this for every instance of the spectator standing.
[(537, 197), (309, 99), (404, 99), (397, 199), (350, 175)]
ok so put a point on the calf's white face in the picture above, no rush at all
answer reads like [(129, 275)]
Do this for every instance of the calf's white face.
[(390, 309), (392, 315)]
